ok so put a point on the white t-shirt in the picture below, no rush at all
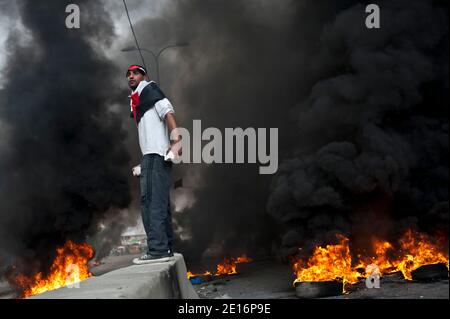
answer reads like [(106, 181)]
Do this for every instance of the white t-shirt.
[(152, 128)]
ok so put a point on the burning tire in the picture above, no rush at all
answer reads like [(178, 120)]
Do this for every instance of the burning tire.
[(318, 289), (430, 272)]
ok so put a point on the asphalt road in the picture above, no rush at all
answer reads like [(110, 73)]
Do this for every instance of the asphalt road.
[(273, 280)]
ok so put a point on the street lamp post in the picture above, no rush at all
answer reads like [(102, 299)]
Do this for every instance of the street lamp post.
[(157, 55)]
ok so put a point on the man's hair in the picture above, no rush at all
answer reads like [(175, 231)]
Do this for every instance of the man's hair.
[(138, 68)]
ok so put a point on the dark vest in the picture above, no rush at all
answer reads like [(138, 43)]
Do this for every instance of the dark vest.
[(146, 100)]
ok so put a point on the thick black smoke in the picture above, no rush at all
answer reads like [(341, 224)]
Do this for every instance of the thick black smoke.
[(368, 134), (246, 66), (367, 141), (63, 166), (372, 152)]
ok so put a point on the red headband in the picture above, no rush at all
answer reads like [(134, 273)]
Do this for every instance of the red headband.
[(137, 67)]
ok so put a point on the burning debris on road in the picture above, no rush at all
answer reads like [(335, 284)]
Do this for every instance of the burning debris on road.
[(329, 263), (68, 269), (335, 263), (225, 268)]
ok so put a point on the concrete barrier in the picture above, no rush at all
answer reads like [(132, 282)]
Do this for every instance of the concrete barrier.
[(159, 281)]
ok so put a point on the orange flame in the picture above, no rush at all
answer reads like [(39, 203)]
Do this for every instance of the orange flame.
[(332, 262), (68, 268), (227, 267), (243, 259), (383, 250), (192, 275), (418, 250)]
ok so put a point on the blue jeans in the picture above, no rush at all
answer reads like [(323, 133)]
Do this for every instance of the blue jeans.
[(155, 203)]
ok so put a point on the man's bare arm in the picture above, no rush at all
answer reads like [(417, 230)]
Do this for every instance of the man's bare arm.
[(172, 126)]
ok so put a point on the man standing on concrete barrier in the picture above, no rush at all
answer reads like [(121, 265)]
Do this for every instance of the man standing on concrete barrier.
[(154, 117)]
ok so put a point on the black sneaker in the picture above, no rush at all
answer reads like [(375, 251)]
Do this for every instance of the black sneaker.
[(149, 258)]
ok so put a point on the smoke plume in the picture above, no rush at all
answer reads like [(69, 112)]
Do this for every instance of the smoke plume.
[(64, 167), (361, 112), (372, 151)]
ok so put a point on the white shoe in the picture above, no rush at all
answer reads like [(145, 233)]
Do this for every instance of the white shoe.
[(149, 259)]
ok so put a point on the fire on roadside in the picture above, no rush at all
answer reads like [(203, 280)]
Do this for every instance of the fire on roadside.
[(335, 262), (416, 250), (225, 268), (69, 267), (228, 266), (332, 262), (192, 275)]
